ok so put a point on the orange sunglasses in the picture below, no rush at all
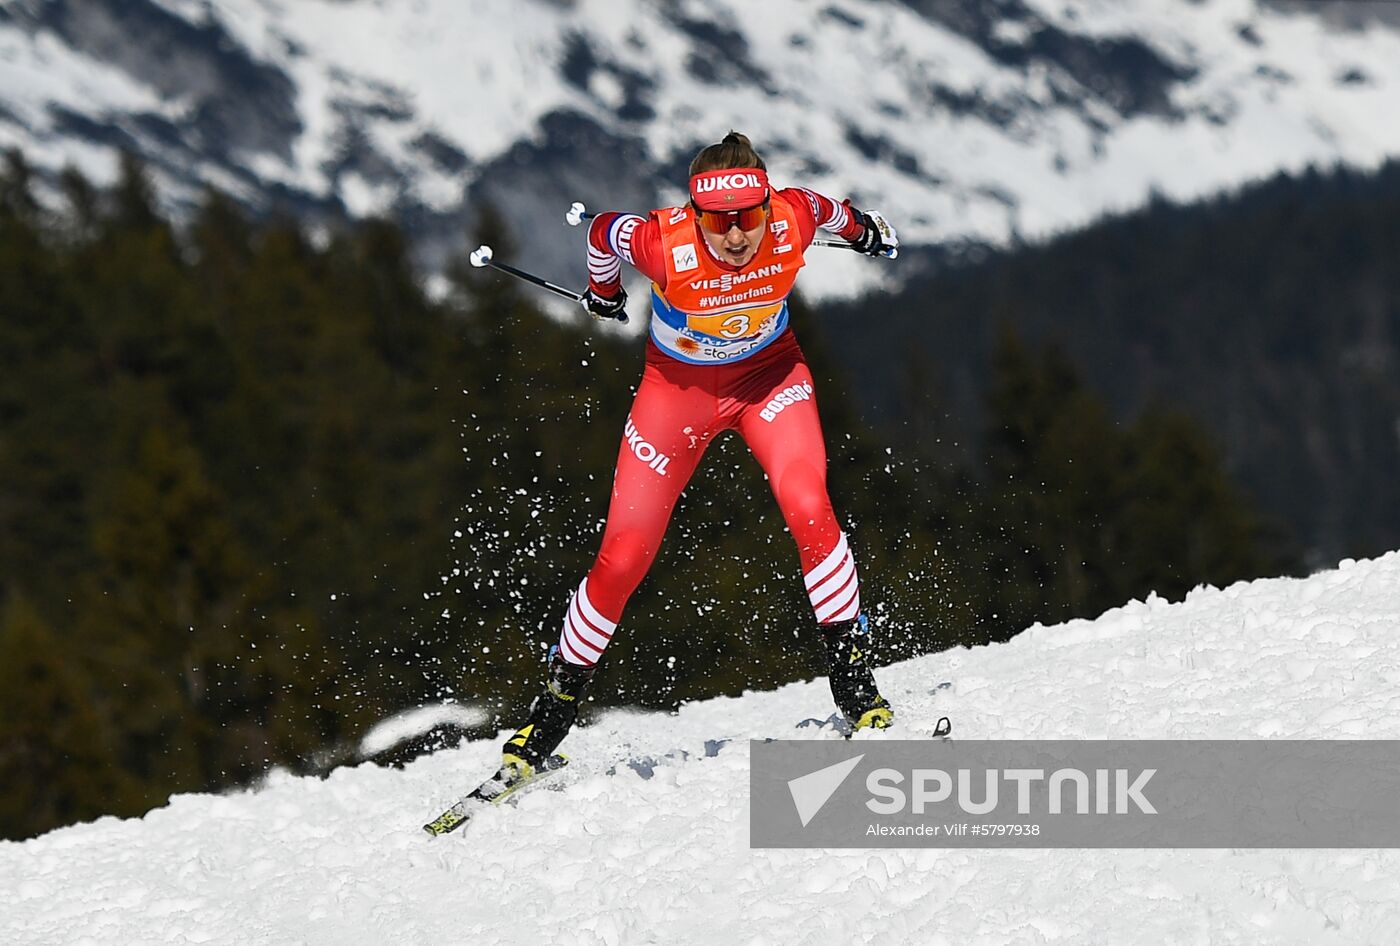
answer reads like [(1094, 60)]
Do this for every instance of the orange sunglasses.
[(719, 221)]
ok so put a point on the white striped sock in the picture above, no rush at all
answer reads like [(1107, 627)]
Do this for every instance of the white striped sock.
[(586, 632), (834, 586)]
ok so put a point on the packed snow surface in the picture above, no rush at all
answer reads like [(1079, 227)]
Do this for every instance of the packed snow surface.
[(658, 852)]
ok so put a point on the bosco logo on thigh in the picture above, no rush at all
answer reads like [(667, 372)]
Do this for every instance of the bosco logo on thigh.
[(782, 400)]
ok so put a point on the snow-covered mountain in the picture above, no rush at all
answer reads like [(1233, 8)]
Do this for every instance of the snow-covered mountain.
[(646, 838), (962, 119)]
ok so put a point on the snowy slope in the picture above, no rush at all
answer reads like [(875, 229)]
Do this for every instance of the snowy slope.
[(622, 858), (965, 119)]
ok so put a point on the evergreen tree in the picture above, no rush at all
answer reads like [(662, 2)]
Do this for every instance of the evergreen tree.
[(56, 757), (1082, 515), (171, 579), (1183, 521)]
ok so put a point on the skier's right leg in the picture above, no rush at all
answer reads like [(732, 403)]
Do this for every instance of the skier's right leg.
[(671, 422)]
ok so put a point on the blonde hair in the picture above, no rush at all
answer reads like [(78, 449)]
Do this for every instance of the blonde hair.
[(735, 151)]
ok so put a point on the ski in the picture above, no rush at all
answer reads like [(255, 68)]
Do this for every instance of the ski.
[(496, 789), (839, 725)]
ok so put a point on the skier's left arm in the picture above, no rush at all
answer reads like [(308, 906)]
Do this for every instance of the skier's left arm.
[(868, 231)]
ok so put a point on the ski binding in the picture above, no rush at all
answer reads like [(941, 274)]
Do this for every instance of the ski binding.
[(498, 788)]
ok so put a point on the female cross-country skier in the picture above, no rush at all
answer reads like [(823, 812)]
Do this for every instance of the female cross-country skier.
[(720, 357)]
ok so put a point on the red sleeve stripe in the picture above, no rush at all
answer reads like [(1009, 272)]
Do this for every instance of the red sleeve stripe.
[(831, 214), (603, 268)]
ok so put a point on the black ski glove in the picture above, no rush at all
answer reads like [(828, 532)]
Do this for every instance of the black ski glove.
[(606, 307), (878, 238)]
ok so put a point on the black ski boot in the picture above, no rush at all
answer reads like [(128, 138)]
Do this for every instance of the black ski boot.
[(852, 683), (551, 716)]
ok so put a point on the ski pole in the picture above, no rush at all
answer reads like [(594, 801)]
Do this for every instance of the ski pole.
[(578, 213), (481, 256)]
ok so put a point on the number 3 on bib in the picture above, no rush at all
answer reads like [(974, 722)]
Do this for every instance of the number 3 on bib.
[(736, 326)]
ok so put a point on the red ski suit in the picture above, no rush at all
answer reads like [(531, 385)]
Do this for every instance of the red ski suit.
[(720, 357)]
